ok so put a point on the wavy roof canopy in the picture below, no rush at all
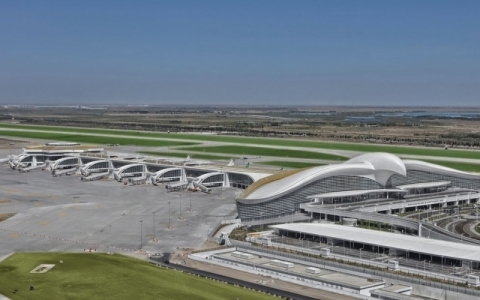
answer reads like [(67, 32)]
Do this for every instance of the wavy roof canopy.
[(376, 166), (419, 165), (384, 164)]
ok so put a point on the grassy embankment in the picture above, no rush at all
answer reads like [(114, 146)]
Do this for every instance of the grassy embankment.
[(102, 276), (457, 165), (94, 139), (394, 149), (184, 155), (289, 164)]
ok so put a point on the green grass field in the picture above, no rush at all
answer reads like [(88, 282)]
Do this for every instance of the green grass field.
[(184, 155), (289, 164), (95, 139), (258, 151), (456, 165), (102, 276), (399, 150)]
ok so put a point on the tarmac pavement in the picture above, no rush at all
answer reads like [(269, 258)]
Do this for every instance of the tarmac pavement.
[(66, 214)]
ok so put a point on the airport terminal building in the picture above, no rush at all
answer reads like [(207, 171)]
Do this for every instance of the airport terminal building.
[(368, 176)]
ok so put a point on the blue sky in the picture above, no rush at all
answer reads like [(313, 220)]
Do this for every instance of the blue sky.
[(240, 52)]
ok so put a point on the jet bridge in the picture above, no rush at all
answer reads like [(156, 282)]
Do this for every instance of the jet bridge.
[(32, 166), (176, 186), (68, 171), (26, 163), (22, 160)]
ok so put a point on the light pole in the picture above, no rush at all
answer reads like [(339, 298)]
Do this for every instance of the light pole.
[(223, 181), (190, 201), (180, 216), (154, 239), (141, 234), (429, 230), (169, 224), (361, 253), (335, 211)]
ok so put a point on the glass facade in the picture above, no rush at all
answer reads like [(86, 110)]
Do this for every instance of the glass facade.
[(213, 178), (173, 173), (70, 161), (414, 176), (134, 169), (100, 165), (239, 180), (289, 203)]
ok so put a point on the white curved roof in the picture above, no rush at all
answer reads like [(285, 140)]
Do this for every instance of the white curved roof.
[(92, 163), (205, 176), (126, 167), (163, 171), (424, 185), (387, 239), (61, 160), (376, 166), (384, 164), (411, 164), (354, 193), (297, 180)]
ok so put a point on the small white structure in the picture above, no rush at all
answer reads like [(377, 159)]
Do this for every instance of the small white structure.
[(325, 251), (242, 255), (349, 221), (312, 270), (473, 280), (282, 264), (393, 265), (43, 268)]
